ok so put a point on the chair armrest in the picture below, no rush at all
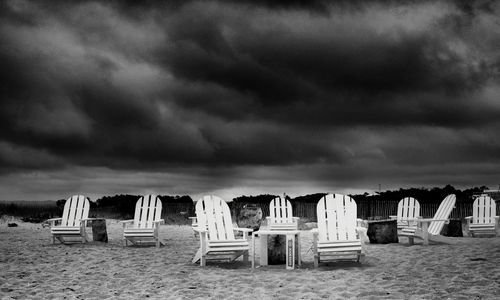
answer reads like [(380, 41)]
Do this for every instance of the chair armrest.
[(315, 231), (296, 218), (198, 229), (85, 220), (161, 221), (243, 229), (54, 220), (468, 218), (126, 222), (393, 217), (92, 219), (360, 228), (194, 220), (361, 223)]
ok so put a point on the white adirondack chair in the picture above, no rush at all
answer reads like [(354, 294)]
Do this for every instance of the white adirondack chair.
[(484, 217), (145, 226), (217, 239), (281, 216), (434, 225), (337, 234), (408, 211), (73, 222)]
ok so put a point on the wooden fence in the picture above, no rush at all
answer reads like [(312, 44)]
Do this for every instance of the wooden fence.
[(367, 209)]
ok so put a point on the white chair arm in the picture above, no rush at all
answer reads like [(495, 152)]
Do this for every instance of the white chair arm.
[(243, 229), (126, 222), (198, 229), (161, 221), (393, 217), (92, 219), (54, 220)]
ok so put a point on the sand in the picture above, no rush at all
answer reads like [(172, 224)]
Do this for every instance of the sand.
[(31, 267)]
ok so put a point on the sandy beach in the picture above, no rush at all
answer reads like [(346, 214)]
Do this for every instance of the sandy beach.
[(31, 267)]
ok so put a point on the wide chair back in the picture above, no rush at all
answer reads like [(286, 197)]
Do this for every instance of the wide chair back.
[(408, 209), (76, 208), (484, 210), (147, 210), (281, 216), (336, 218), (443, 213), (213, 214)]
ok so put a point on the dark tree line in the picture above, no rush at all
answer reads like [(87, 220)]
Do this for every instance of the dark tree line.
[(423, 195)]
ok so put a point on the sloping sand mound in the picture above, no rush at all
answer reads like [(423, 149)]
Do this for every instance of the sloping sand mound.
[(32, 267)]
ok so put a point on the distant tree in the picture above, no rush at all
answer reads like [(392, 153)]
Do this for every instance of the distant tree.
[(311, 198), (60, 204), (176, 199), (124, 204), (259, 199)]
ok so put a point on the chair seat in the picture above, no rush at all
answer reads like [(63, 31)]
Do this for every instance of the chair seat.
[(139, 232), (283, 226), (482, 228), (339, 246), (408, 231), (483, 225), (65, 230), (213, 244)]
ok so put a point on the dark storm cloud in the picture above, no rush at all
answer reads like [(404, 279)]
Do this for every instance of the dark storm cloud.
[(248, 83)]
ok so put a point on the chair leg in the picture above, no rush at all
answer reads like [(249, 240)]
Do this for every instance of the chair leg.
[(316, 260), (411, 240), (197, 256), (245, 256), (315, 250), (203, 260)]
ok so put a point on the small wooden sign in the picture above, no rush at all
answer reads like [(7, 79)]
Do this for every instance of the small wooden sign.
[(290, 244)]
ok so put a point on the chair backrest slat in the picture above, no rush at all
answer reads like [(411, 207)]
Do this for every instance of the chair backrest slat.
[(213, 213), (75, 209), (442, 213), (484, 210)]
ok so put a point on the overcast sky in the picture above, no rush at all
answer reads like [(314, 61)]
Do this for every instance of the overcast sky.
[(247, 97)]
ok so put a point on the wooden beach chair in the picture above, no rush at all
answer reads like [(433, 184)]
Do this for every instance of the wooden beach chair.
[(430, 229), (408, 210), (281, 216), (336, 234), (73, 222), (484, 217), (145, 226), (215, 227)]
